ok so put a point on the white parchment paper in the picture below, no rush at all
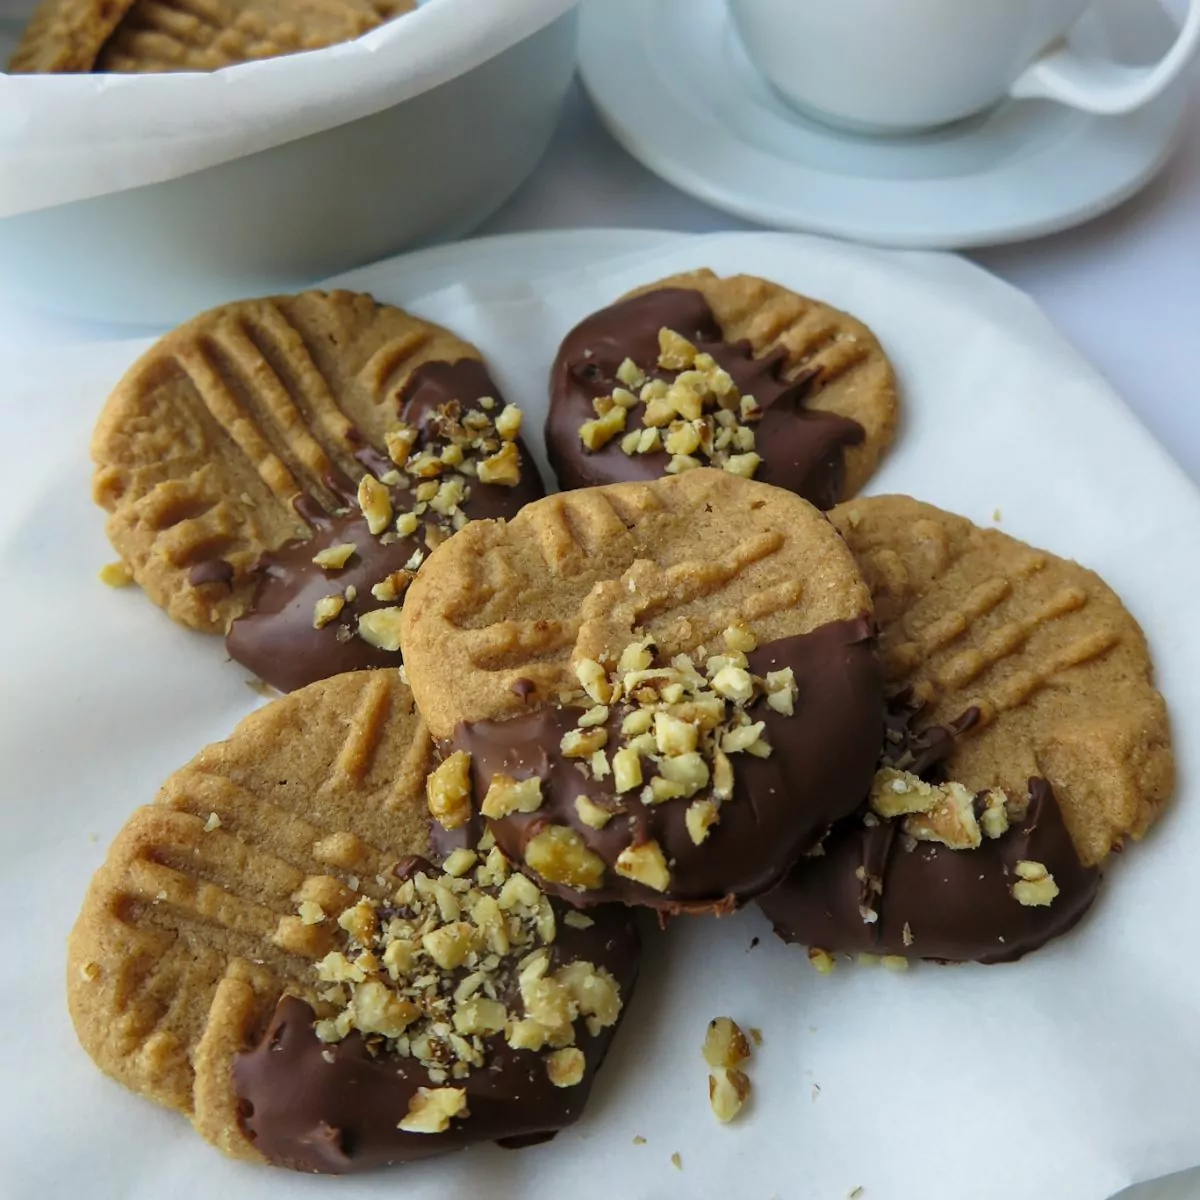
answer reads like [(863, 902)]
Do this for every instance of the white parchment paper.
[(1068, 1075), (68, 137)]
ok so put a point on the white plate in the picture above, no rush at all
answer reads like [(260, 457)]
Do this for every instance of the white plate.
[(673, 84), (502, 258), (1068, 1075)]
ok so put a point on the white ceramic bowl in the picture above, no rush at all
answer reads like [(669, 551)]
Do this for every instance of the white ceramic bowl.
[(429, 168)]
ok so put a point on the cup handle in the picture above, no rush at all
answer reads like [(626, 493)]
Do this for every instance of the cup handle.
[(1098, 86)]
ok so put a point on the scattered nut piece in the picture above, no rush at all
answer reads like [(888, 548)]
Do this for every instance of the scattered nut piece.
[(327, 609), (431, 1109), (644, 864), (583, 743), (391, 587), (559, 855), (725, 1044), (381, 628), (822, 960), (508, 423), (311, 913), (675, 352), (115, 575), (459, 862), (503, 468), (448, 791), (507, 795), (743, 464), (565, 1067), (592, 814), (630, 374), (376, 504), (728, 1091), (894, 962), (400, 442), (597, 433), (335, 557), (213, 822), (738, 637), (1035, 886), (700, 817), (594, 680)]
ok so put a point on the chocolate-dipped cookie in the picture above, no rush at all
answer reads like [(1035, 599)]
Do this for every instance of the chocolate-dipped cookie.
[(930, 869), (659, 693), (737, 373), (1034, 743), (265, 951), (278, 469)]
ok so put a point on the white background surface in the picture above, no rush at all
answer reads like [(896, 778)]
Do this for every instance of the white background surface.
[(1085, 1052)]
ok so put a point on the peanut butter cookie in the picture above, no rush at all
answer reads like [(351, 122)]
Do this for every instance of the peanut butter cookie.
[(66, 35), (738, 373), (296, 458), (1026, 742), (660, 693), (264, 951), (203, 35)]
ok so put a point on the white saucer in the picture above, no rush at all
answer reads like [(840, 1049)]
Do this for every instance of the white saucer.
[(673, 84)]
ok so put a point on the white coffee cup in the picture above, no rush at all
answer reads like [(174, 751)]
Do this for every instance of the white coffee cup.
[(897, 66)]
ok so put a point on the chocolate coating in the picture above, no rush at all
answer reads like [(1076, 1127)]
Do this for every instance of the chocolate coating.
[(276, 640), (211, 570), (308, 1113), (820, 766), (802, 449), (957, 905)]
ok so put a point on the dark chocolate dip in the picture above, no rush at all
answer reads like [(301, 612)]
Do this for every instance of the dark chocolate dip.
[(927, 900), (821, 762), (335, 1108), (802, 449), (277, 639)]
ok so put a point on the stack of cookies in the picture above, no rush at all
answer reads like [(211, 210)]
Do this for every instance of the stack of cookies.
[(395, 913), (138, 36)]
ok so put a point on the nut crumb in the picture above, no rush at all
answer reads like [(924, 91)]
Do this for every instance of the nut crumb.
[(725, 1044), (89, 972), (334, 558), (638, 1140), (327, 609), (1035, 886), (728, 1091), (677, 1161), (213, 822), (430, 1110), (116, 575), (822, 960), (381, 628), (448, 791)]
